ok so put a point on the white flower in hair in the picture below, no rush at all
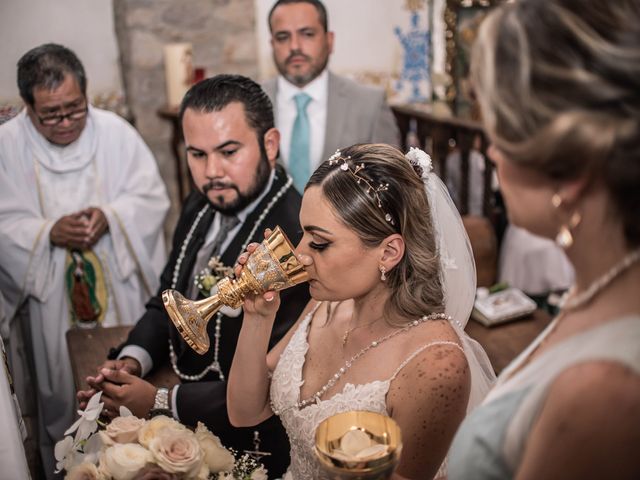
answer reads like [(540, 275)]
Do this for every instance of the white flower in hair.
[(420, 158)]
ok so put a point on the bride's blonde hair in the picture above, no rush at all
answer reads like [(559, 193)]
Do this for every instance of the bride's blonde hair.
[(558, 82), (415, 283)]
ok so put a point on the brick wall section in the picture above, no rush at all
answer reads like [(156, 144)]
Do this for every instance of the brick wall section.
[(222, 33)]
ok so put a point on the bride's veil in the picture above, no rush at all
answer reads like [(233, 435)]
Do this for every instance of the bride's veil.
[(458, 275)]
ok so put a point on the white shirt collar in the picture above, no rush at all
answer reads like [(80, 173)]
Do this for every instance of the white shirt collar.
[(317, 89)]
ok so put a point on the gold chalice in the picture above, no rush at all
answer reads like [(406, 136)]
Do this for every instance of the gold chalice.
[(358, 445), (272, 266)]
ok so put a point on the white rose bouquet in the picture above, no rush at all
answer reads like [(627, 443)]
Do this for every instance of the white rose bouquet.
[(131, 448)]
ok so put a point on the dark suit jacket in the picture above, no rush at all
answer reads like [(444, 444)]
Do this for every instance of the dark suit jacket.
[(205, 400), (355, 114)]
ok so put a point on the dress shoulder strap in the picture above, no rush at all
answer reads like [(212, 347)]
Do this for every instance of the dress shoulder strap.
[(304, 324), (420, 350), (312, 312), (315, 309)]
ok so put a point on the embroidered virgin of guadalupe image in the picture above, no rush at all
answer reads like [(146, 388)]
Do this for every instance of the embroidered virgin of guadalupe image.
[(86, 290)]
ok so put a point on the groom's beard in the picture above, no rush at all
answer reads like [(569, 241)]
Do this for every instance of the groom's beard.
[(242, 199)]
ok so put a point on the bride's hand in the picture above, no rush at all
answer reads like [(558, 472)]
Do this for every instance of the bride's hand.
[(265, 305)]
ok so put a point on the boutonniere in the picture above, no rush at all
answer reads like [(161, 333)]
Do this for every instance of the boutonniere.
[(209, 277)]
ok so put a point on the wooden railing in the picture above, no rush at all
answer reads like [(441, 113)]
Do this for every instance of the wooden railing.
[(439, 135)]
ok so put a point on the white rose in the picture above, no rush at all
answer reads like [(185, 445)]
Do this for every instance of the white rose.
[(177, 451), (204, 473), (106, 439), (156, 426), (124, 460), (102, 467), (124, 429), (226, 476), (154, 472), (84, 471), (259, 474), (217, 458)]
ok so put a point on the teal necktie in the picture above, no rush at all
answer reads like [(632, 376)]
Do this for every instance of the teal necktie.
[(299, 162)]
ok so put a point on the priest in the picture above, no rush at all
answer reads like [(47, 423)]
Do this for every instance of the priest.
[(81, 212)]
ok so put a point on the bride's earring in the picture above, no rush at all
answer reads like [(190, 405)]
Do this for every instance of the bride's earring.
[(383, 272), (564, 238)]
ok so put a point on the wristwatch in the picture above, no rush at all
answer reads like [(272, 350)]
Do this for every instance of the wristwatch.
[(161, 404)]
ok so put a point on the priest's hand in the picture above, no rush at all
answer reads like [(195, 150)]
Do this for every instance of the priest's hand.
[(71, 231), (98, 224), (128, 364), (122, 388)]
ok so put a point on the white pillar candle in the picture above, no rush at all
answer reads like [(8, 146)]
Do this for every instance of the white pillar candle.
[(178, 71)]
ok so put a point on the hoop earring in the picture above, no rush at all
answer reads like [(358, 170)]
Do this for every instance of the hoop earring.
[(383, 272), (564, 238)]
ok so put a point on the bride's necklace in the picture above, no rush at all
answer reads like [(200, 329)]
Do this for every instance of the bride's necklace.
[(349, 363), (214, 366), (345, 335)]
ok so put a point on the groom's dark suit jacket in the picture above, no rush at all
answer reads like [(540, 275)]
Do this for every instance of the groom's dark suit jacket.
[(205, 400)]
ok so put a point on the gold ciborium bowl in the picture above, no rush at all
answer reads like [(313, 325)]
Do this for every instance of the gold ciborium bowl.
[(383, 433), (271, 266)]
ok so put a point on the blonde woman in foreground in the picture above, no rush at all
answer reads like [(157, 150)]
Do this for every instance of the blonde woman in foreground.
[(559, 87)]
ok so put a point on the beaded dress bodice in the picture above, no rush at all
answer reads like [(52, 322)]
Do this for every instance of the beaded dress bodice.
[(301, 424)]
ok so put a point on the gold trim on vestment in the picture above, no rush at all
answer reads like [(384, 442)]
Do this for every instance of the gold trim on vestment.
[(132, 251)]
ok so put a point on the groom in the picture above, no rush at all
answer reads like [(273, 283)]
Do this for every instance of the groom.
[(231, 148)]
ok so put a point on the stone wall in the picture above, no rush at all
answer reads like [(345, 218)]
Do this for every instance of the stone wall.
[(222, 33)]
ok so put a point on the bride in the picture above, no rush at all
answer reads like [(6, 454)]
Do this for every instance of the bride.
[(393, 283)]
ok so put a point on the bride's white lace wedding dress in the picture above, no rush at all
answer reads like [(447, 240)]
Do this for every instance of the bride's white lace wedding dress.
[(459, 288), (301, 423)]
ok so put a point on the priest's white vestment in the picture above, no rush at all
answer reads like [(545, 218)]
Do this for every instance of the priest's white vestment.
[(12, 455), (110, 167)]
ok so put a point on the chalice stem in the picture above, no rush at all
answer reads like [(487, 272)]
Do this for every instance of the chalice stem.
[(211, 307)]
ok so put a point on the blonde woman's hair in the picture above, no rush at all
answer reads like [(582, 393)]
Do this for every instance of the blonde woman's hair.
[(558, 82), (415, 283)]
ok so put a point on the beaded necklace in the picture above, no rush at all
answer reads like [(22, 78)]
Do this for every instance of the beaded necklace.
[(214, 366), (572, 301), (349, 363)]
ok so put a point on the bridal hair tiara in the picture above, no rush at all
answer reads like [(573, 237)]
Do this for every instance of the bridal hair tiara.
[(337, 157), (419, 160)]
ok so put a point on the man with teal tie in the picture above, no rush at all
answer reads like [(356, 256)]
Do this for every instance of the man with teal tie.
[(316, 110)]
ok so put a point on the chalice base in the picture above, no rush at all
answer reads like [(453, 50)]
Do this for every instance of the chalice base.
[(188, 320)]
